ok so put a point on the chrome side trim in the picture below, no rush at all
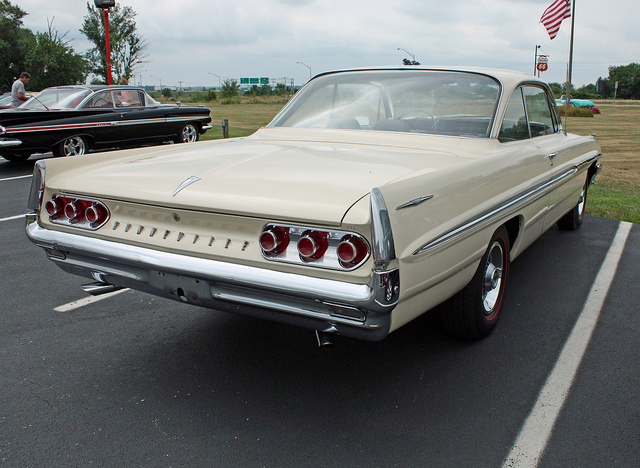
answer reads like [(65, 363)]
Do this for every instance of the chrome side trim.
[(497, 211), (10, 143), (414, 202), (187, 117), (119, 123), (61, 127), (587, 162)]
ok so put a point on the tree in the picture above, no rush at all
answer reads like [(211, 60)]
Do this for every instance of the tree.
[(406, 61), (127, 46), (14, 39), (51, 61), (557, 89), (230, 88), (628, 78)]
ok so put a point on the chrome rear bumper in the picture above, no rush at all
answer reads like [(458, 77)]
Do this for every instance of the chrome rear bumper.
[(357, 310)]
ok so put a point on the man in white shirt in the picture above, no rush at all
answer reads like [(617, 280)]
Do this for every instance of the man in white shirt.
[(18, 93)]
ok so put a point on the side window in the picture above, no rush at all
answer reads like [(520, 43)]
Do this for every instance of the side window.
[(538, 111), (100, 100), (514, 125), (127, 98)]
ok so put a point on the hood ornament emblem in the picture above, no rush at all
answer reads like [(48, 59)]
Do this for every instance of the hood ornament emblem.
[(188, 181)]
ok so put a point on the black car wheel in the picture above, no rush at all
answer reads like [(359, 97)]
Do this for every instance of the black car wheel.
[(474, 312), (573, 219), (188, 134), (72, 146)]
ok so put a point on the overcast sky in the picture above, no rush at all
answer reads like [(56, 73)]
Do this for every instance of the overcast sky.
[(190, 41)]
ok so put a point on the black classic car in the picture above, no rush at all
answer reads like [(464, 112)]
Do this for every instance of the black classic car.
[(70, 120)]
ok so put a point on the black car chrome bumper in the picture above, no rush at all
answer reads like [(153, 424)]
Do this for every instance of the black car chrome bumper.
[(357, 310)]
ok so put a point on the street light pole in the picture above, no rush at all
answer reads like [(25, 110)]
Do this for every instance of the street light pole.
[(140, 78), (412, 56), (305, 65), (219, 82), (157, 78)]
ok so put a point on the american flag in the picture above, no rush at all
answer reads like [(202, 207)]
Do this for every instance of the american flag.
[(553, 16)]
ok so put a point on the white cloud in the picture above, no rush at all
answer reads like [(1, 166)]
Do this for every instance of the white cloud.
[(189, 40)]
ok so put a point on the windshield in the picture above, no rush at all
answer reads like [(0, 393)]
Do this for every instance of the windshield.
[(416, 101), (57, 98)]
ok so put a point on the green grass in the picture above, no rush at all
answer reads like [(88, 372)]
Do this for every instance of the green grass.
[(616, 193), (613, 202)]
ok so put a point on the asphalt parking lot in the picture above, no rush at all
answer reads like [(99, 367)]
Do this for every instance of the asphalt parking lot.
[(135, 380)]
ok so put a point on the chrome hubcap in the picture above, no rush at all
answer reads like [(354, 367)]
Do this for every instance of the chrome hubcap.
[(581, 204), (74, 147), (492, 278), (189, 134)]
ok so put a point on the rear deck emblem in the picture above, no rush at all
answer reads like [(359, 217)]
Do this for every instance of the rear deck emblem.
[(185, 184)]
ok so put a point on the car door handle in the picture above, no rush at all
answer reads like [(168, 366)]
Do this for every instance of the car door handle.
[(552, 156)]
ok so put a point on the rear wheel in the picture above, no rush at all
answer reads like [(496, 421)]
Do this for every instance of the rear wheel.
[(573, 219), (188, 134), (72, 146), (474, 312)]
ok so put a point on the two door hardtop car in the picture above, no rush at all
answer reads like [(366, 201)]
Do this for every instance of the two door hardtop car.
[(70, 120), (372, 197)]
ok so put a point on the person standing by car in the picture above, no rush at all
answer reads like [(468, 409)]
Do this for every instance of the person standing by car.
[(18, 93)]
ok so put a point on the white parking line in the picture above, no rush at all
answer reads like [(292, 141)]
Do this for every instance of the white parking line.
[(12, 217), (17, 177), (534, 435), (86, 301)]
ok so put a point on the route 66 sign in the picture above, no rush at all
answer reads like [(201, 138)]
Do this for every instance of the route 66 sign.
[(542, 63)]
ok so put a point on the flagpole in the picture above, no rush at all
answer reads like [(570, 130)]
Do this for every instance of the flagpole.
[(569, 73)]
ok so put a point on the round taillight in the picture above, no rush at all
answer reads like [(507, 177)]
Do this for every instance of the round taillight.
[(75, 210), (95, 214), (351, 251), (54, 207), (312, 245), (274, 241)]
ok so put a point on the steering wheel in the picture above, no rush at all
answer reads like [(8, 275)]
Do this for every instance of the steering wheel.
[(415, 114), (418, 113)]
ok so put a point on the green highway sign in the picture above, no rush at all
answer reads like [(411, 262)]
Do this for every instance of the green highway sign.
[(262, 80)]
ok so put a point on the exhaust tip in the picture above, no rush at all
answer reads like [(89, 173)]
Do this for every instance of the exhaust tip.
[(325, 340), (97, 289)]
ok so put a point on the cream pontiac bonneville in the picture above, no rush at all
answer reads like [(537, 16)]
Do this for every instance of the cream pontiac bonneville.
[(372, 197)]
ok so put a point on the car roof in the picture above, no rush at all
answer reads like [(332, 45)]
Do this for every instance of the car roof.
[(509, 78), (95, 87)]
